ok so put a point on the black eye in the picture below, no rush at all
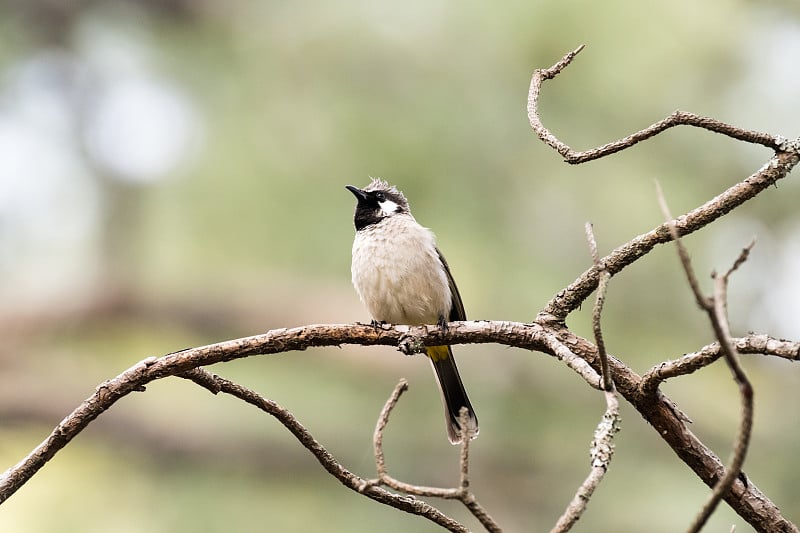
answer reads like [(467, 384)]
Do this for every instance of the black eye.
[(380, 196)]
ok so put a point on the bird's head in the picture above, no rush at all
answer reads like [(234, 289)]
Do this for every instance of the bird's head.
[(376, 202)]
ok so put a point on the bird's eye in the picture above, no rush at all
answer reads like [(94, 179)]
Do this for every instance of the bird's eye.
[(380, 196)]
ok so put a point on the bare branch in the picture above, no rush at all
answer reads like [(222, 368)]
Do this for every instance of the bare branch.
[(578, 353), (556, 347), (461, 493), (466, 496), (702, 301), (570, 298), (183, 362), (547, 334), (678, 118), (720, 321), (689, 363), (778, 167), (744, 497), (383, 419), (715, 307), (347, 478), (602, 450), (608, 383)]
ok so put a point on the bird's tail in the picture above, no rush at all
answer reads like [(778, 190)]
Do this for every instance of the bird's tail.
[(454, 396)]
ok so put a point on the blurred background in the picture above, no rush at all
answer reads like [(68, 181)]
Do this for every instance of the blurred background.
[(172, 174)]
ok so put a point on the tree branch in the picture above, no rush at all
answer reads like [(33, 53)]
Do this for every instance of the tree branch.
[(715, 307), (786, 157), (689, 363), (276, 341), (570, 298), (657, 409), (602, 449), (460, 493), (216, 384), (670, 424), (548, 334), (678, 118)]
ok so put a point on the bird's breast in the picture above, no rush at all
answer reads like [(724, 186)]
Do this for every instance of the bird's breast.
[(398, 275)]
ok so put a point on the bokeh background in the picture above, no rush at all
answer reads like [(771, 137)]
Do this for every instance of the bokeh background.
[(172, 174)]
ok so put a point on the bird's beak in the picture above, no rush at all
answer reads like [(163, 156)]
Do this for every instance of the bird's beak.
[(361, 195)]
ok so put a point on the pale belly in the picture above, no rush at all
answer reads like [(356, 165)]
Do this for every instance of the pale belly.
[(400, 279)]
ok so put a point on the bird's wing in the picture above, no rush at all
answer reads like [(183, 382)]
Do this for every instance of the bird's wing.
[(457, 308)]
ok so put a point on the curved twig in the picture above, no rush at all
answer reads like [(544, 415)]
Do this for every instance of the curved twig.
[(678, 118), (460, 493)]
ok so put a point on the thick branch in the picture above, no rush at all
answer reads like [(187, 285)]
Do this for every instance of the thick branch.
[(657, 409), (275, 341)]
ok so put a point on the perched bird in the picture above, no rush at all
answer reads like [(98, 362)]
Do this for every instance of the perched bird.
[(403, 278)]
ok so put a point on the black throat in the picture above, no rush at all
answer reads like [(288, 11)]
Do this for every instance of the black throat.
[(367, 216), (368, 210)]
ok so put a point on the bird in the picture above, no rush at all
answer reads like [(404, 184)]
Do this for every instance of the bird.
[(402, 278)]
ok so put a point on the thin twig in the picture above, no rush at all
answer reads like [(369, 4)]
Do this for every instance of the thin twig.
[(461, 493), (691, 362), (597, 310), (383, 420), (602, 450), (678, 118), (715, 307), (558, 348), (466, 496), (463, 459), (380, 459)]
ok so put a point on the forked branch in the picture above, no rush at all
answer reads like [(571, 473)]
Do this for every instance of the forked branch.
[(461, 493), (645, 395), (787, 154)]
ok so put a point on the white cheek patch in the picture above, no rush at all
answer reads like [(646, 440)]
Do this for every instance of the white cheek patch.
[(388, 207)]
